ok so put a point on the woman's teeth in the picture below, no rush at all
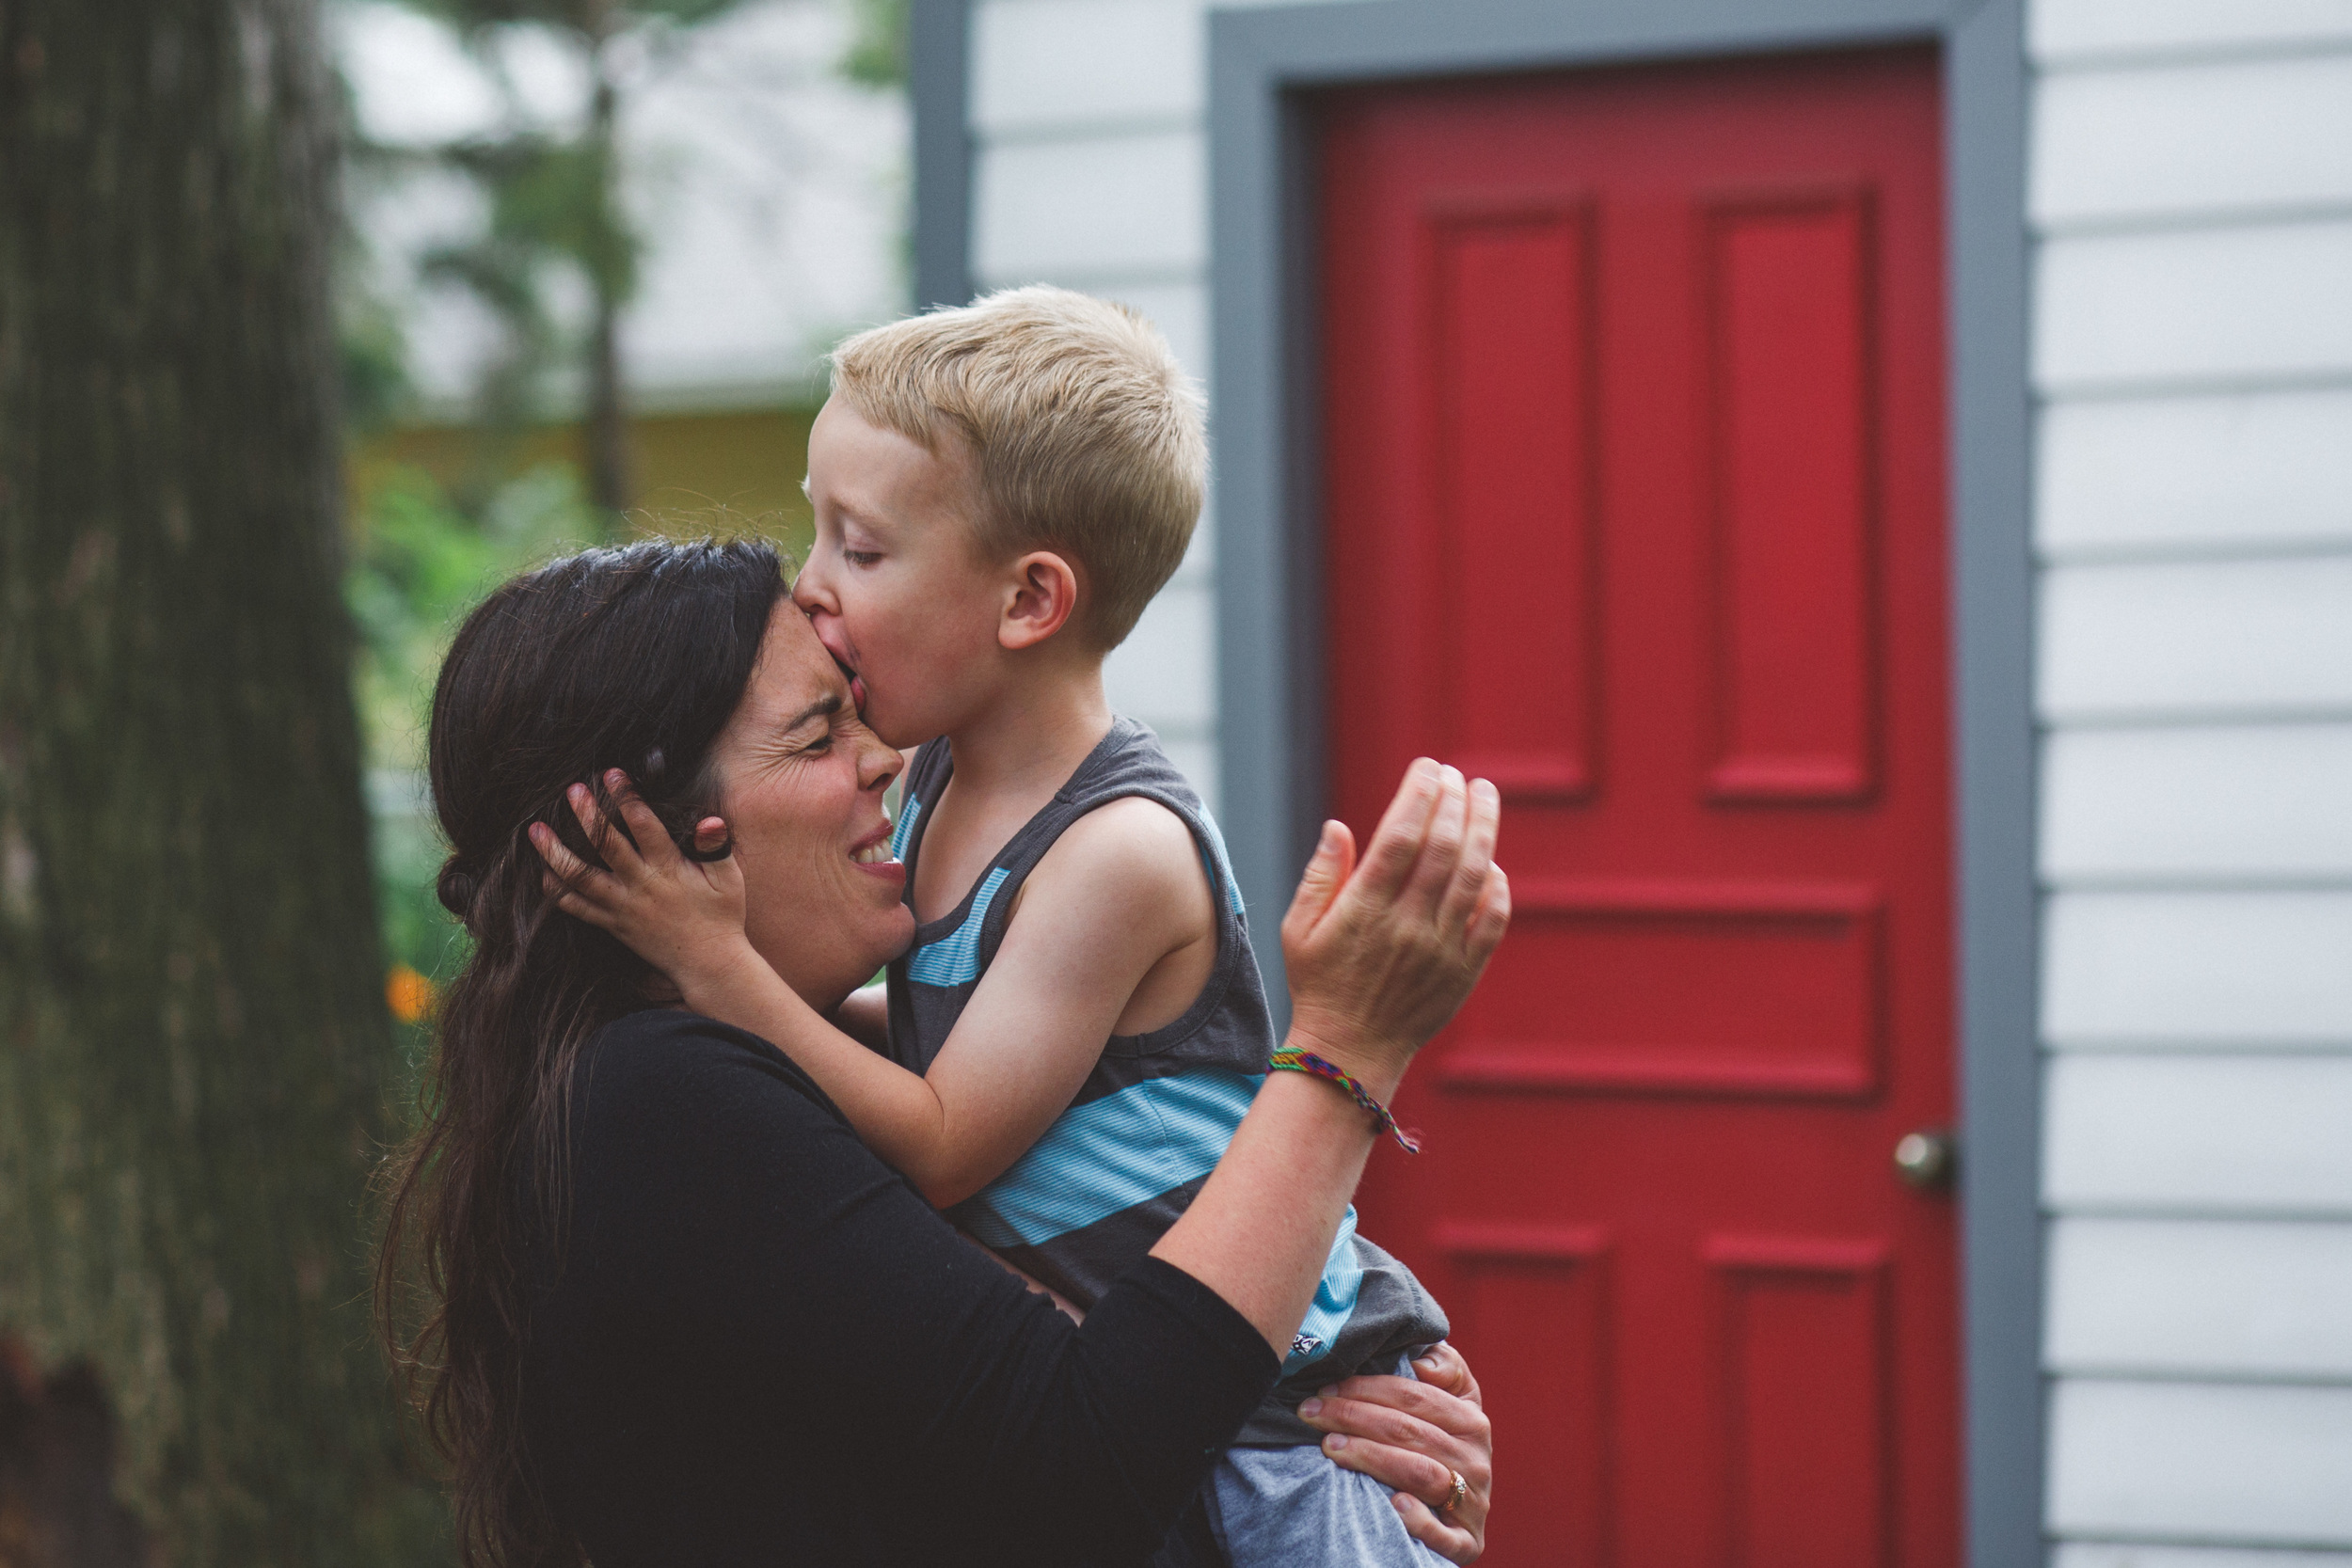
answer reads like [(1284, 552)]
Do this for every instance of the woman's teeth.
[(873, 854)]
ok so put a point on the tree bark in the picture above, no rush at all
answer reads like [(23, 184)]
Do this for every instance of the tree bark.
[(611, 463), (194, 1051)]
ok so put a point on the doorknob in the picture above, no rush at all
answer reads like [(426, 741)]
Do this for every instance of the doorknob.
[(1928, 1158)]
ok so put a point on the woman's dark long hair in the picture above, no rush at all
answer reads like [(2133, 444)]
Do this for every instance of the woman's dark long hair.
[(631, 657)]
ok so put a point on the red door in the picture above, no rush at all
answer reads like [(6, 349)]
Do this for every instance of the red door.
[(1635, 489)]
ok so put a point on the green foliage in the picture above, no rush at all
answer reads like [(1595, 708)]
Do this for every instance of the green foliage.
[(590, 18), (877, 55), (418, 566)]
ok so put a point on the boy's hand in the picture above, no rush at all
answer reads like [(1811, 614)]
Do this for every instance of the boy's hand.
[(683, 916)]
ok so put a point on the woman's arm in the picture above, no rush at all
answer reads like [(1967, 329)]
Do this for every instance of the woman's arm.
[(1379, 956), (743, 1267), (742, 1230)]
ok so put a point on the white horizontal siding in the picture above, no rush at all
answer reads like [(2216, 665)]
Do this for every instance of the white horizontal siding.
[(2135, 1554), (1159, 670), (2235, 474), (1041, 65), (1105, 207), (1180, 310), (2200, 140), (2201, 1298), (2168, 1135), (2191, 182), (2198, 969), (2193, 306), (1089, 172), (2059, 31), (2221, 1463), (2251, 802), (2218, 638)]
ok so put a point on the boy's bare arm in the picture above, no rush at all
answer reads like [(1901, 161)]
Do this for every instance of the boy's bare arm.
[(1119, 891), (864, 1016)]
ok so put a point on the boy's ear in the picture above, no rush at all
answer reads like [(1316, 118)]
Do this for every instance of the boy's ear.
[(1042, 597)]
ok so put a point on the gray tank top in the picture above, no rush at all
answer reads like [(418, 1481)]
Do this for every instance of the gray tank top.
[(1093, 1194)]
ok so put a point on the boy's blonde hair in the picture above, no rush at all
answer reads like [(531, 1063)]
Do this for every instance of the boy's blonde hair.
[(1089, 437)]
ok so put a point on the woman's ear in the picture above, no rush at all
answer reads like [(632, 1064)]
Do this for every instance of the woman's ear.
[(1042, 597)]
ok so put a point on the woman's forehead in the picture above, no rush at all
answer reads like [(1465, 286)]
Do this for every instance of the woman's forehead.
[(794, 669)]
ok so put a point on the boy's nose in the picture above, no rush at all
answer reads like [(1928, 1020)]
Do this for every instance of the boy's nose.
[(812, 592)]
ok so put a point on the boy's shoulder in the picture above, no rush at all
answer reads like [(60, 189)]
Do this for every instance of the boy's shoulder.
[(1133, 843)]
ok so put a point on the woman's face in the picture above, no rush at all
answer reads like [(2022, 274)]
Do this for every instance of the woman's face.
[(801, 781)]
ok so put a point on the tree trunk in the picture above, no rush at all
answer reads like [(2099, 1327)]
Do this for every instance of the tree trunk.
[(612, 476), (194, 1051)]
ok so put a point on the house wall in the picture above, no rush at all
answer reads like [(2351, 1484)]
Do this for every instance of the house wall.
[(1089, 169), (2191, 198), (2191, 172)]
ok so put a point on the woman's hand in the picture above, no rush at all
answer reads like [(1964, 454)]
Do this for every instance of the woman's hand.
[(1416, 1436), (1381, 955)]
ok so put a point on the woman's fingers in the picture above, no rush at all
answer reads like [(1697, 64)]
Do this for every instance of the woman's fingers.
[(1445, 1369), (1396, 843), (1415, 1437), (1493, 916), (1320, 883), (1454, 1543), (1441, 845), (1421, 1485), (1482, 824)]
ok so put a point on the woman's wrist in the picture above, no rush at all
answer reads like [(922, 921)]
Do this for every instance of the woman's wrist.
[(1380, 1071)]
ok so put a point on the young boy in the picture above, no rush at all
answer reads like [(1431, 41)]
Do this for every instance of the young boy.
[(1079, 1025)]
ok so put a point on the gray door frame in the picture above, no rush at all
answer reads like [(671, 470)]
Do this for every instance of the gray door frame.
[(1261, 62), (1275, 790)]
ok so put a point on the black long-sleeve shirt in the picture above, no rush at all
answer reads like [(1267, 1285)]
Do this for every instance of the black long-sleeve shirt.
[(760, 1346)]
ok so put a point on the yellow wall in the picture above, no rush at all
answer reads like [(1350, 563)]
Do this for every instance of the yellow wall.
[(749, 462)]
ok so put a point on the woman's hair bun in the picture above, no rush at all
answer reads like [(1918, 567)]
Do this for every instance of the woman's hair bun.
[(456, 888)]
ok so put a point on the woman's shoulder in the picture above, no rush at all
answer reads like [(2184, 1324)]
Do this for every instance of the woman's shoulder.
[(667, 1055)]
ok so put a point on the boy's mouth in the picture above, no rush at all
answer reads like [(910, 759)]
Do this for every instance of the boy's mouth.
[(857, 682)]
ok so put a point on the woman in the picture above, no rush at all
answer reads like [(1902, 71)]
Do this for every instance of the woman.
[(675, 1311)]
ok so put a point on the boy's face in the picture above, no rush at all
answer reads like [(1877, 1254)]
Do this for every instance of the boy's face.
[(895, 585)]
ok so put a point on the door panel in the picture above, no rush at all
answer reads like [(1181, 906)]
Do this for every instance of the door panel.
[(1634, 499)]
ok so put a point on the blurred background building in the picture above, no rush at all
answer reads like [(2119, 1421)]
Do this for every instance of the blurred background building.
[(1715, 1321)]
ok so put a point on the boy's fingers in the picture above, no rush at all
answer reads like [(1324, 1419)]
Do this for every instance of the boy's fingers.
[(654, 845), (585, 884), (569, 868), (572, 903), (594, 823)]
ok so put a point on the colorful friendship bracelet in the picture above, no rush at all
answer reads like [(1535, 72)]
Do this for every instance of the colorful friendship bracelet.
[(1287, 1060)]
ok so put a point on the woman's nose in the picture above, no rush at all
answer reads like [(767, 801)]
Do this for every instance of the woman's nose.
[(877, 763)]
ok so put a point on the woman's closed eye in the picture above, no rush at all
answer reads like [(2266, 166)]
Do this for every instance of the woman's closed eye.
[(860, 558)]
